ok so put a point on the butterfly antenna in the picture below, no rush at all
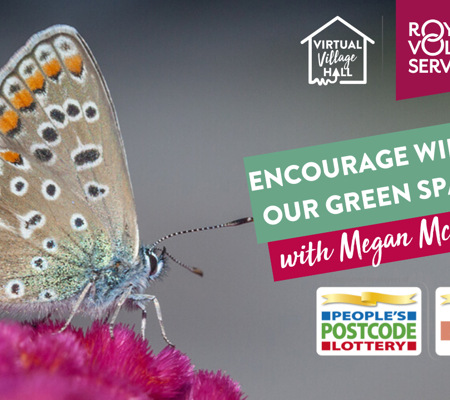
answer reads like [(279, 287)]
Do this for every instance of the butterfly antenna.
[(206, 228), (197, 271), (194, 270)]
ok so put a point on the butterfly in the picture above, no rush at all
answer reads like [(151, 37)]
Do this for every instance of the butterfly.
[(69, 239)]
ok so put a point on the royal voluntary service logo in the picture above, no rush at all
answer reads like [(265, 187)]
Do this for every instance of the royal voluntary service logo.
[(423, 48)]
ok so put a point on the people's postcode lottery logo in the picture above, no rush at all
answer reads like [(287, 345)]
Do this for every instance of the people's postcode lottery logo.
[(374, 321)]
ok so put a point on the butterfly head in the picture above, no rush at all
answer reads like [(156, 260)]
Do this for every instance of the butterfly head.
[(153, 262)]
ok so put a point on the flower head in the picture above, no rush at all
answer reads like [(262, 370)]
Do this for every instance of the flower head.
[(39, 363), (210, 385)]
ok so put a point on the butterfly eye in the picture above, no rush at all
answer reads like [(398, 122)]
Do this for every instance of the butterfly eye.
[(156, 264), (153, 264)]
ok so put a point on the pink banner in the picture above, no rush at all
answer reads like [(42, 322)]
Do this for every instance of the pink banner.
[(360, 247), (422, 48)]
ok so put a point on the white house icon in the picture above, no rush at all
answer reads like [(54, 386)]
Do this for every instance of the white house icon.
[(310, 49)]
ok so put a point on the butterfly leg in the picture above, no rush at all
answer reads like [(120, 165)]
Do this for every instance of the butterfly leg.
[(106, 319), (77, 306), (122, 299), (144, 318), (139, 298)]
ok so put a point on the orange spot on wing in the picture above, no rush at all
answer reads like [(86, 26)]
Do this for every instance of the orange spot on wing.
[(22, 99), (52, 68), (36, 81), (11, 157), (8, 121), (74, 64)]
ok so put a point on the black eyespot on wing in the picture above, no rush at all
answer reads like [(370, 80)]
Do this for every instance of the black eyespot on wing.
[(14, 89), (49, 135), (87, 156), (50, 189), (43, 154), (39, 263), (65, 46), (15, 288), (72, 110), (19, 186), (28, 69), (79, 222), (91, 112), (57, 115), (93, 191), (33, 221), (50, 244), (44, 56)]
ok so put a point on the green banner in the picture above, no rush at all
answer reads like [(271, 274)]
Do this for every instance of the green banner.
[(349, 184)]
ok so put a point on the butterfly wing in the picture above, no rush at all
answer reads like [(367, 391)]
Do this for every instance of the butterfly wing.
[(67, 207)]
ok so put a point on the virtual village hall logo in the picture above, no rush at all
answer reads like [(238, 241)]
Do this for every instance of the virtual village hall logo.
[(334, 59)]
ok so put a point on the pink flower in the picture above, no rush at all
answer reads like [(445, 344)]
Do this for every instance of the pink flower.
[(208, 385), (36, 363)]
